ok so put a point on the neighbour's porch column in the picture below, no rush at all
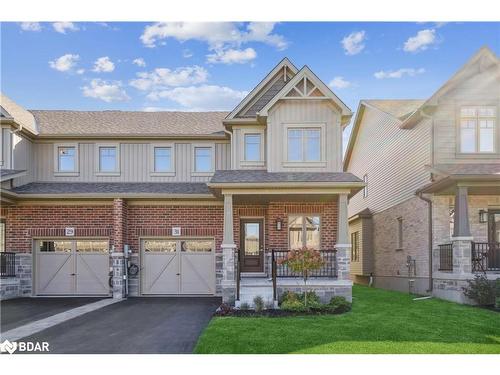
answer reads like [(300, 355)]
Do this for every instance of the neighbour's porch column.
[(462, 239), (343, 245), (228, 253)]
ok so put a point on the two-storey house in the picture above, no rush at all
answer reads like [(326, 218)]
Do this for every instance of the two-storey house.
[(180, 203), (428, 218)]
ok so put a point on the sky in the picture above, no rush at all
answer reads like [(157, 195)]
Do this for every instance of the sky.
[(212, 66)]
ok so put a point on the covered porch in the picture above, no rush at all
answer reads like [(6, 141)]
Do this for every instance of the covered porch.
[(263, 221)]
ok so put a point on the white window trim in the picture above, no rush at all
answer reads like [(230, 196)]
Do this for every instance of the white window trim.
[(116, 172), (478, 136), (252, 163), (152, 147), (76, 171), (305, 125), (194, 146)]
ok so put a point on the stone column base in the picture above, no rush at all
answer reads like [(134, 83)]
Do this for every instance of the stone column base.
[(228, 283), (118, 262)]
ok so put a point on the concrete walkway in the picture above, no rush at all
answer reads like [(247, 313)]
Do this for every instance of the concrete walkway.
[(51, 321)]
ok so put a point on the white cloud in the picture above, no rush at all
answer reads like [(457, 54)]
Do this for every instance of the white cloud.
[(339, 83), (421, 41), (411, 72), (65, 63), (106, 91), (139, 62), (62, 27), (162, 78), (80, 71), (353, 43), (218, 35), (103, 65), (232, 56), (201, 98), (31, 26), (186, 53)]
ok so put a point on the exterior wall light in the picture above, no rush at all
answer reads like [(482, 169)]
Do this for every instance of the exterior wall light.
[(279, 224), (483, 216)]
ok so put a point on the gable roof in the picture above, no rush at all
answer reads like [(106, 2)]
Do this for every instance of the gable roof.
[(284, 65), (14, 112), (305, 72), (399, 109), (128, 123)]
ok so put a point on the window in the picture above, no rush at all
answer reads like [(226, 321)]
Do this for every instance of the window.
[(355, 246), (66, 159), (160, 246), (365, 188), (107, 159), (92, 246), (2, 235), (304, 231), (400, 233), (477, 129), (163, 159), (198, 246), (55, 246), (304, 144), (252, 147), (203, 159)]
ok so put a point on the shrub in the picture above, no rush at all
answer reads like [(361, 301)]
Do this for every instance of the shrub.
[(480, 290), (244, 306), (294, 305), (312, 298), (258, 303), (340, 304), (289, 296)]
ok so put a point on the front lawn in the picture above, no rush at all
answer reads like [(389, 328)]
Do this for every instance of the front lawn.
[(380, 322)]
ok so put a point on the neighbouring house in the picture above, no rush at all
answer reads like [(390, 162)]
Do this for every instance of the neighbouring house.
[(428, 218), (118, 203)]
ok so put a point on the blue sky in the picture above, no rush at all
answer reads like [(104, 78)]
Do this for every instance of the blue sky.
[(185, 66)]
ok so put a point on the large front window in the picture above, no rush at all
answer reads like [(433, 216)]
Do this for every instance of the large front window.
[(107, 159), (477, 129), (304, 231), (304, 144)]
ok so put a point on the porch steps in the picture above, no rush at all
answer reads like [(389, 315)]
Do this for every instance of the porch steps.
[(251, 287)]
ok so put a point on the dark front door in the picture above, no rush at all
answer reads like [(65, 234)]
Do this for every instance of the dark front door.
[(494, 226), (252, 245)]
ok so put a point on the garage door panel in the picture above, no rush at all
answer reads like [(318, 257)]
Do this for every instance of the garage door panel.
[(197, 274), (92, 274), (55, 274), (160, 274)]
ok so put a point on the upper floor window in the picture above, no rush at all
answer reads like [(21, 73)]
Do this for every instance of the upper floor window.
[(304, 144), (66, 159), (304, 231), (252, 147), (163, 159), (477, 129), (365, 188), (107, 159), (203, 159)]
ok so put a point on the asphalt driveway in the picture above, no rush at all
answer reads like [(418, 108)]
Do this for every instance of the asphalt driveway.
[(136, 325)]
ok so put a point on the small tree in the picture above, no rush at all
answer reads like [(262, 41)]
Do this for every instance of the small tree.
[(303, 261)]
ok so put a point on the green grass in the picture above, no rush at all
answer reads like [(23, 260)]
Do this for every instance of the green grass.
[(380, 322)]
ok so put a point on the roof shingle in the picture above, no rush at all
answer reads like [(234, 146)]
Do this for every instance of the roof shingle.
[(256, 176)]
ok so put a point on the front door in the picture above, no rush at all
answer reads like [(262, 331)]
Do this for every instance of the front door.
[(252, 245), (494, 226)]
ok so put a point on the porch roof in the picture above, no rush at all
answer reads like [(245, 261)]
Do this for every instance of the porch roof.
[(255, 176), (492, 169)]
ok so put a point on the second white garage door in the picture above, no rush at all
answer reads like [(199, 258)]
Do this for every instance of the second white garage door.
[(185, 266)]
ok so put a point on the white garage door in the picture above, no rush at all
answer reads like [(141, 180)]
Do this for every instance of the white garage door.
[(184, 266), (72, 267)]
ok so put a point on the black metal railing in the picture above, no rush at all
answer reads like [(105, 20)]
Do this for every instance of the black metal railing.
[(238, 274), (329, 268), (7, 264), (485, 256), (446, 257)]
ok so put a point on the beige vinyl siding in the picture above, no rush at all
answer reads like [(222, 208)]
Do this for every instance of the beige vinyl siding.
[(306, 112), (393, 158), (238, 144), (479, 90), (22, 158), (135, 163)]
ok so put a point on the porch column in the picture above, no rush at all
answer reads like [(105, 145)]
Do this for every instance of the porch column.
[(343, 245), (462, 239), (228, 253)]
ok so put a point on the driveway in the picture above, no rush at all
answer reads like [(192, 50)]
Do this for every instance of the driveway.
[(20, 311), (136, 325)]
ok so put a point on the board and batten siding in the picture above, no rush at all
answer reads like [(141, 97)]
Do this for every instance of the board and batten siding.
[(306, 112), (22, 158), (135, 160), (238, 144), (479, 90), (393, 158)]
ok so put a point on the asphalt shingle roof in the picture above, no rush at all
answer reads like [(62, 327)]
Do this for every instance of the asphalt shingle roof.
[(256, 176), (113, 188), (10, 172), (468, 169), (129, 123)]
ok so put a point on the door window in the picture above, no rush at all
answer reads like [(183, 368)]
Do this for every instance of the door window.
[(197, 246), (160, 246), (252, 238), (56, 246)]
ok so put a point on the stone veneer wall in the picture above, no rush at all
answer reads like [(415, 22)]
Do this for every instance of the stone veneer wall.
[(390, 269)]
